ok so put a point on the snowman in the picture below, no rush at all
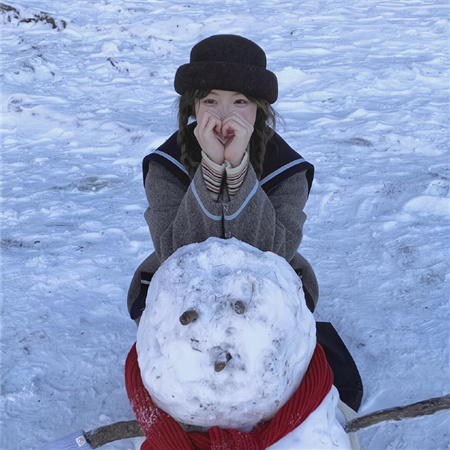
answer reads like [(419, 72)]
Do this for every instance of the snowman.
[(226, 356)]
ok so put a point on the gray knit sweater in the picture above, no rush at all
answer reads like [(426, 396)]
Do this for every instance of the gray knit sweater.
[(179, 214)]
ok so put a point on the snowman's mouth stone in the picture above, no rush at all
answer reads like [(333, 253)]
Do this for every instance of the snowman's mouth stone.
[(222, 361)]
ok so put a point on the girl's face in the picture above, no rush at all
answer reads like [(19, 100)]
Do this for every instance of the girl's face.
[(222, 103)]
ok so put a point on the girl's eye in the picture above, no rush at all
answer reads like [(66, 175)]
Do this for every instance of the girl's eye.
[(209, 101), (241, 101)]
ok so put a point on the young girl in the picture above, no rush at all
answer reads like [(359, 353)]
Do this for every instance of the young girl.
[(225, 172)]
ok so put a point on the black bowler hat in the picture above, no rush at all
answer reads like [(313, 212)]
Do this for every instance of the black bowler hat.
[(230, 63)]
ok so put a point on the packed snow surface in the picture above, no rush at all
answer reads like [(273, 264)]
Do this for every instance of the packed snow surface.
[(363, 96)]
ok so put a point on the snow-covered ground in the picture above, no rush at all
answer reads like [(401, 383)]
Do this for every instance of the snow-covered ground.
[(364, 96)]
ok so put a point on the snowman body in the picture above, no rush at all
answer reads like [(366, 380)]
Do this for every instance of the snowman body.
[(226, 339)]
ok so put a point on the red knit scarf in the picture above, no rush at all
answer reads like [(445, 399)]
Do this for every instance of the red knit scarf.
[(163, 432)]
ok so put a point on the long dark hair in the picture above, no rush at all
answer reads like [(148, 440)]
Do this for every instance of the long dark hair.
[(264, 129)]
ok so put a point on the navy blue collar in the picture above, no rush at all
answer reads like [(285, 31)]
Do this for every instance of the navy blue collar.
[(280, 162)]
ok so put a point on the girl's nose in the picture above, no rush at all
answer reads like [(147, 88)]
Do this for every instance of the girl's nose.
[(224, 110)]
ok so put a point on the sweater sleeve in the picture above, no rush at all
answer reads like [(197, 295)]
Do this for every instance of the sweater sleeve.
[(236, 175), (269, 221), (178, 215), (213, 175)]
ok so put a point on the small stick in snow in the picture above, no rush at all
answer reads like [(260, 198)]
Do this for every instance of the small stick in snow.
[(422, 408), (114, 432)]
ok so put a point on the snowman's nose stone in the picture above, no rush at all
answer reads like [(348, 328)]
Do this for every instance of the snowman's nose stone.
[(239, 307)]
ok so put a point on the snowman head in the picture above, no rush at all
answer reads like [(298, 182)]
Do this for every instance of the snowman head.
[(226, 336)]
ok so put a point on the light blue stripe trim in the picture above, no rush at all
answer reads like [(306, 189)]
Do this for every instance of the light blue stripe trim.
[(281, 169), (249, 197), (172, 160), (211, 216)]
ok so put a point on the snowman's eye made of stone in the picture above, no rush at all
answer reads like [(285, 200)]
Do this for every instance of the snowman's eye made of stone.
[(188, 317), (239, 307)]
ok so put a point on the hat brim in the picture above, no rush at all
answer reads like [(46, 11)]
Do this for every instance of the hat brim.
[(246, 79)]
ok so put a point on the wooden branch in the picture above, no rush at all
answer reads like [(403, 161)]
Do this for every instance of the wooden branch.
[(418, 409), (113, 432), (131, 429)]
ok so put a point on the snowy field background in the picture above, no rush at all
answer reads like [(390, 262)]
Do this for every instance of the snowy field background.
[(364, 96)]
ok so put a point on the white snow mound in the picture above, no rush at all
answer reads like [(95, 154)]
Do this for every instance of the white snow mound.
[(226, 337)]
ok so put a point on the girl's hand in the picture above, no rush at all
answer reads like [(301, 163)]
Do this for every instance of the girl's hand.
[(237, 133), (209, 136), (225, 139)]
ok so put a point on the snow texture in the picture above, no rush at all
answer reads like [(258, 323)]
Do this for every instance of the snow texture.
[(247, 346), (364, 96)]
